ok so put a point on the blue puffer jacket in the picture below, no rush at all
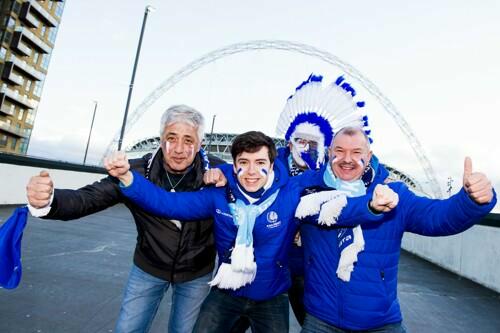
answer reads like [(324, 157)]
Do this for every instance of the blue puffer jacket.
[(370, 300), (273, 230), (296, 254)]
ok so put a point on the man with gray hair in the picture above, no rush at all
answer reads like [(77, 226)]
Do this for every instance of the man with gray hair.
[(168, 253)]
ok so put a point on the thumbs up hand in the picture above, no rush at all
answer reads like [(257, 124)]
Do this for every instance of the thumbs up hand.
[(476, 184)]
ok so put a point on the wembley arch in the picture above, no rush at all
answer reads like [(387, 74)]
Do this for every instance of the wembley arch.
[(300, 48)]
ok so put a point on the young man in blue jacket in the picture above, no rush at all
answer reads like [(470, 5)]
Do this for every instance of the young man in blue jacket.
[(363, 297), (253, 226)]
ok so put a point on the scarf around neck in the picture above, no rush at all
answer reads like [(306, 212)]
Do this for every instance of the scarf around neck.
[(242, 269)]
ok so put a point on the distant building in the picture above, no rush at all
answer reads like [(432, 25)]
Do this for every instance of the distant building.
[(219, 144), (28, 30)]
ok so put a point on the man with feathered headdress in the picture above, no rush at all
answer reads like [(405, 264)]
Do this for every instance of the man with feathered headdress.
[(351, 273), (309, 120)]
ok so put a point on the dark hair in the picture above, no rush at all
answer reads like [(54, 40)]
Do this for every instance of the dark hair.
[(252, 141)]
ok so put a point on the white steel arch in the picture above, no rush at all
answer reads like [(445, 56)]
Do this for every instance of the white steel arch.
[(297, 48)]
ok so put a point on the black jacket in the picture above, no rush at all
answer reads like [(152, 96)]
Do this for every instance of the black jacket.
[(162, 250)]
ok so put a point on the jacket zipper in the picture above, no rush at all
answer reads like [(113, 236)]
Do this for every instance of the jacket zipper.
[(174, 262)]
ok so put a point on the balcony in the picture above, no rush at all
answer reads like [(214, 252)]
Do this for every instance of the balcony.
[(41, 12), (27, 17), (34, 40), (17, 45), (24, 67), (19, 132), (9, 75), (6, 110), (14, 96)]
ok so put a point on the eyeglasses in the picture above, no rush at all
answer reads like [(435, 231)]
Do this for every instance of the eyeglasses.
[(305, 142)]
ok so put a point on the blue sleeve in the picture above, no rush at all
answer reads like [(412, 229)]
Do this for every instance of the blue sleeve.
[(310, 178), (175, 205), (437, 217), (227, 169), (356, 212)]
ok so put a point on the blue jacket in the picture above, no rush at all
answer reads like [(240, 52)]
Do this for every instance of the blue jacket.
[(370, 299), (273, 230), (296, 254)]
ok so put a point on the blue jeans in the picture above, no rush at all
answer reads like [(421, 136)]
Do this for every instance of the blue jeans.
[(220, 311), (144, 293), (315, 325)]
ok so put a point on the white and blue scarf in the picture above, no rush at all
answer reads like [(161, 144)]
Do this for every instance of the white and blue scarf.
[(329, 205), (350, 241), (243, 268)]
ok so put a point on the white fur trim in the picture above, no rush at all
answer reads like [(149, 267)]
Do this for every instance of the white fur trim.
[(331, 210), (311, 204), (350, 255)]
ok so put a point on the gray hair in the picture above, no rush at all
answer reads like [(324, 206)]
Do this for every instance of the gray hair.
[(351, 131), (185, 114)]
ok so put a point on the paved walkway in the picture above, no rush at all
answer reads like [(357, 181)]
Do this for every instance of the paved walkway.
[(74, 274)]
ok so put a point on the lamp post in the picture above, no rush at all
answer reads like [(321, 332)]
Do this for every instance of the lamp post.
[(90, 133), (211, 134), (131, 86)]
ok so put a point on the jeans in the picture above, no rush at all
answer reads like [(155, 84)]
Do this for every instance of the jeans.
[(220, 311), (144, 293), (296, 296), (315, 325)]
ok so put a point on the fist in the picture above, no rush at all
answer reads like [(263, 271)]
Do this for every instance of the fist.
[(117, 164), (214, 176), (384, 199), (39, 190), (476, 184)]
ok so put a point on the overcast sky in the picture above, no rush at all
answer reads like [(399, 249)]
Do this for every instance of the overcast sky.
[(436, 61)]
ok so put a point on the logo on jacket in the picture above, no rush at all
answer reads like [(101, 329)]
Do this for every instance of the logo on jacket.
[(272, 216)]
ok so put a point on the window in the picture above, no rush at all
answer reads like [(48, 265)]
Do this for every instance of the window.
[(3, 53), (45, 61), (59, 9), (11, 24), (20, 114), (30, 117), (12, 108), (23, 146), (52, 35), (7, 37), (36, 56), (3, 140), (43, 31), (38, 89), (16, 8), (13, 143), (29, 83)]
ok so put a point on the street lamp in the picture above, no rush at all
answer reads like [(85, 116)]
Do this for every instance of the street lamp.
[(211, 135), (131, 86), (90, 133)]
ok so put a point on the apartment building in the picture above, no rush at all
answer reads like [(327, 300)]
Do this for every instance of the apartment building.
[(28, 30)]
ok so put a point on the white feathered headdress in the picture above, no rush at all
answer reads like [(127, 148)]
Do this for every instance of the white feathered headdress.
[(316, 110)]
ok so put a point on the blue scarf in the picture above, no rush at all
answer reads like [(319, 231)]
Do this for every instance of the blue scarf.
[(243, 268), (349, 240), (11, 233)]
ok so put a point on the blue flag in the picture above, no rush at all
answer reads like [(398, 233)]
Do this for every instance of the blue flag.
[(11, 233)]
